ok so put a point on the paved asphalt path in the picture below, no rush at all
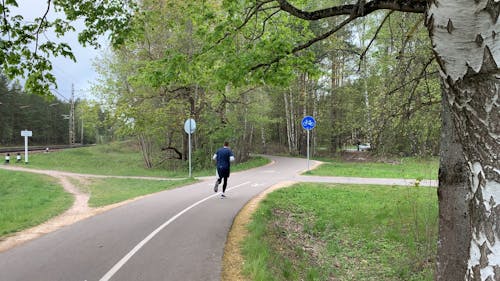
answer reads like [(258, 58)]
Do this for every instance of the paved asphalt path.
[(176, 235)]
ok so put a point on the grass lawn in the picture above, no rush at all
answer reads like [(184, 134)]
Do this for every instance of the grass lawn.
[(409, 168), (109, 191), (121, 159), (27, 200), (343, 232), (110, 159)]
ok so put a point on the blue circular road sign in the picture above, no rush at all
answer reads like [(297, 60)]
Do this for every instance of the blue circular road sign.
[(308, 123)]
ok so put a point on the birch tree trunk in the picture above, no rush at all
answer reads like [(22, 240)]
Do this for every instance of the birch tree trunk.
[(147, 149), (454, 217), (466, 42), (288, 125), (294, 131), (364, 75)]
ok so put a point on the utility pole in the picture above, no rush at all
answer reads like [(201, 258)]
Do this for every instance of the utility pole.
[(72, 117), (81, 137)]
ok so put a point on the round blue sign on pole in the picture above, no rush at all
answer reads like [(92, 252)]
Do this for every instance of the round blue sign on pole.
[(308, 123)]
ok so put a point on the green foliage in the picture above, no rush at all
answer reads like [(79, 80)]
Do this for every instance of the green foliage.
[(28, 200), (344, 232), (205, 60), (19, 60)]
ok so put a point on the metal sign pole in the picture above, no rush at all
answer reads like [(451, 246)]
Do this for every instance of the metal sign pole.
[(307, 150), (189, 128), (26, 134), (189, 149), (308, 123), (26, 149)]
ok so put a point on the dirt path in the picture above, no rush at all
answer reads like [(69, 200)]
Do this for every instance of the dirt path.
[(78, 211)]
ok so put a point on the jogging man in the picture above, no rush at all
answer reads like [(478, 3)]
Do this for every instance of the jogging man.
[(224, 156)]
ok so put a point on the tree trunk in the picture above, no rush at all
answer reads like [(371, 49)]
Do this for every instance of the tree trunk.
[(263, 140), (454, 217), (146, 148), (479, 128), (289, 134), (464, 36)]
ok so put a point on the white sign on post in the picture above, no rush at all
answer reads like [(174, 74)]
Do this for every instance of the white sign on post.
[(26, 134), (189, 128)]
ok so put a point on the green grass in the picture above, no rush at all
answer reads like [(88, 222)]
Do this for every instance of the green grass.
[(343, 232), (123, 159), (112, 190), (27, 200), (409, 168), (255, 161), (110, 159)]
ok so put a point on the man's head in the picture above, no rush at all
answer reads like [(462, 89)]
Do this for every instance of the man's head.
[(226, 143)]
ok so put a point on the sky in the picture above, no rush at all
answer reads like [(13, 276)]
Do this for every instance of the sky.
[(81, 74)]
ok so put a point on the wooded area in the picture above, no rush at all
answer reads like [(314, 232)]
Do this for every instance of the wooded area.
[(20, 111), (47, 118), (172, 69), (247, 71)]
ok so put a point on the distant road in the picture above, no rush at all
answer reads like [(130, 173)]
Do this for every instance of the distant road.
[(173, 235)]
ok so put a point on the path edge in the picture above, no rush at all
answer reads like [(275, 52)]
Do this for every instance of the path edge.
[(232, 260)]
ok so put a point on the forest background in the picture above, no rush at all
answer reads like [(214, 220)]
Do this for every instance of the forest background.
[(374, 82)]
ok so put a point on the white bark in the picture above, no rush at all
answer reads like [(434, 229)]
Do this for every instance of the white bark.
[(484, 256), (466, 42), (460, 30), (294, 131), (288, 126)]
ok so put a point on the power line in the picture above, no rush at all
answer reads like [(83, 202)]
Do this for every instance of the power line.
[(60, 95)]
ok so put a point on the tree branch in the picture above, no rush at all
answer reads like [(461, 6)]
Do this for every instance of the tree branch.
[(416, 80), (353, 10), (362, 56), (249, 15), (307, 44), (4, 12), (418, 6), (42, 20), (264, 22)]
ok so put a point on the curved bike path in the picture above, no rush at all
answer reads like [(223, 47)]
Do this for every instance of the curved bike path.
[(175, 234)]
